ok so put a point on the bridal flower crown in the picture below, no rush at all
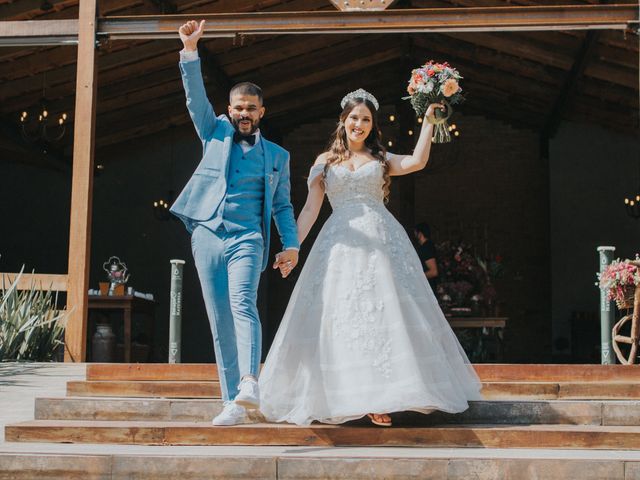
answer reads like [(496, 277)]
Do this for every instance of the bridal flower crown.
[(360, 93)]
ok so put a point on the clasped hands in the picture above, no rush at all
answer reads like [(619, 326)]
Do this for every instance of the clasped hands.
[(286, 261)]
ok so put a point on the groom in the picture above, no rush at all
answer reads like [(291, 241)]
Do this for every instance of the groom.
[(227, 205)]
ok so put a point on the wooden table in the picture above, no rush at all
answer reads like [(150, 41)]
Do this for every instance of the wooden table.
[(128, 304), (496, 326)]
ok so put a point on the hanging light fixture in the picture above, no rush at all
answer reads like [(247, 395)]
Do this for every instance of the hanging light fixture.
[(39, 125), (632, 206), (632, 203), (161, 205)]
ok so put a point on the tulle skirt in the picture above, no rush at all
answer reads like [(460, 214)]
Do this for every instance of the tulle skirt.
[(363, 332)]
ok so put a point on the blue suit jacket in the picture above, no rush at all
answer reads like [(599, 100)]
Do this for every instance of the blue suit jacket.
[(208, 185)]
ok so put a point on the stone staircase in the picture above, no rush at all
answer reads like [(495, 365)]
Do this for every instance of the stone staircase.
[(576, 407)]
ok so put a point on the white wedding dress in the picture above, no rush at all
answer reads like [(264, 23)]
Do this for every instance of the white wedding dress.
[(363, 332)]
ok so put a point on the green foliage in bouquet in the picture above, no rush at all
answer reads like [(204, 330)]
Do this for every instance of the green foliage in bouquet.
[(31, 328)]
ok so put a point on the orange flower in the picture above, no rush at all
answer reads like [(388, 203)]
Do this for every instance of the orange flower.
[(450, 87)]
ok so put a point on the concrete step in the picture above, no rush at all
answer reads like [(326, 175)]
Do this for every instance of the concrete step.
[(487, 372), (205, 463), (202, 410), (203, 433), (622, 390), (371, 464)]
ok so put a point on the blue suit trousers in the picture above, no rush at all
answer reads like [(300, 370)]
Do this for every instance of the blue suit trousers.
[(229, 266)]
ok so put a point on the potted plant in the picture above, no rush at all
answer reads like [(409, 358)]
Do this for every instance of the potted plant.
[(31, 326)]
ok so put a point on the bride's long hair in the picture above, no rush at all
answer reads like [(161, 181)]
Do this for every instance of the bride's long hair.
[(338, 150)]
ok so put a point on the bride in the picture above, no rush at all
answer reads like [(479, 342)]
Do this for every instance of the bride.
[(363, 333)]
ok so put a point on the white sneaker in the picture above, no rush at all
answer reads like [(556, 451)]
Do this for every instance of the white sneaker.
[(232, 414), (249, 396)]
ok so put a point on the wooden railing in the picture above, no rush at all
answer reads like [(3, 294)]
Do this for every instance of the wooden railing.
[(43, 281)]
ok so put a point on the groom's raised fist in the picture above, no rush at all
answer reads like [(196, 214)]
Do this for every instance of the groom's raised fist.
[(190, 33)]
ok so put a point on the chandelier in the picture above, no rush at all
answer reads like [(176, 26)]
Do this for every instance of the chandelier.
[(161, 205), (37, 123), (632, 204)]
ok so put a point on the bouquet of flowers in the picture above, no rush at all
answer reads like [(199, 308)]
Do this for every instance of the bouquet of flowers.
[(460, 275), (434, 83), (620, 280)]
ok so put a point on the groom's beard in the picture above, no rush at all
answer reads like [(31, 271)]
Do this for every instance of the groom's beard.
[(254, 125)]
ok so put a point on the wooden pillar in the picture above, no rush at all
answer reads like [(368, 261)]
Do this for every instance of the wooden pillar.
[(82, 184)]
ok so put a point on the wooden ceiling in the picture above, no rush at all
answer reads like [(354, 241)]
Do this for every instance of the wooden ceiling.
[(528, 79)]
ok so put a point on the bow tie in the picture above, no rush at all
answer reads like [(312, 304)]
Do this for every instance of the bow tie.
[(239, 137)]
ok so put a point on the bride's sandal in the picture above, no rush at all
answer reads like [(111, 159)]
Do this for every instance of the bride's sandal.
[(376, 419)]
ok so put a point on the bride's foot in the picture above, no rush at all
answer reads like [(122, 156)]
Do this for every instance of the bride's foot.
[(380, 419)]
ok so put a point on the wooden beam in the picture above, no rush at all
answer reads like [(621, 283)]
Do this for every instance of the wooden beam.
[(537, 51), (274, 83), (563, 17), (82, 185), (548, 54), (169, 119), (60, 67), (212, 71), (30, 8), (327, 95), (278, 49), (568, 90), (346, 5), (442, 47), (42, 281), (162, 6), (38, 32), (470, 19), (269, 78), (37, 64), (615, 55)]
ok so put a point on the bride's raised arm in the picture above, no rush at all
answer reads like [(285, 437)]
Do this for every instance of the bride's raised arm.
[(315, 197), (404, 164)]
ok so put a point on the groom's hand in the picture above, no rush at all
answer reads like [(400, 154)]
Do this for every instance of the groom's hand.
[(286, 261), (190, 33)]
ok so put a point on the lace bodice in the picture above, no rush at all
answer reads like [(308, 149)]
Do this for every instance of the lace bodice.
[(345, 187)]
